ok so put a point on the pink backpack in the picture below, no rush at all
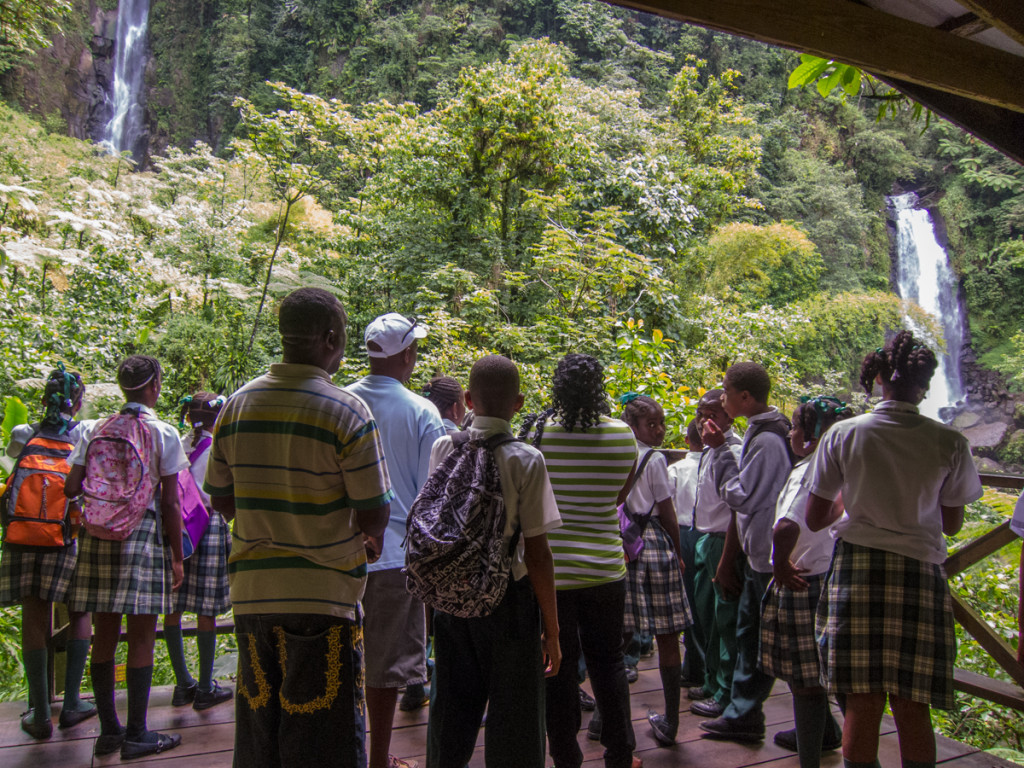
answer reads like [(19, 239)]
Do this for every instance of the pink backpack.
[(117, 487)]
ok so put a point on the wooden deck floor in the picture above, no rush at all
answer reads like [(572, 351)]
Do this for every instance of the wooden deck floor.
[(207, 738)]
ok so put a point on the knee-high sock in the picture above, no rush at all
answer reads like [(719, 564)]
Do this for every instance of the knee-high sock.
[(77, 655), (207, 642), (671, 682), (176, 652), (811, 714), (38, 683), (139, 680), (103, 688)]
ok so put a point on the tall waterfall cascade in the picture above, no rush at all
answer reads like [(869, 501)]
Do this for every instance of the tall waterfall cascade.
[(126, 124), (925, 277)]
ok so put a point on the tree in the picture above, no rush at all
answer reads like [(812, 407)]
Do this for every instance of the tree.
[(26, 25)]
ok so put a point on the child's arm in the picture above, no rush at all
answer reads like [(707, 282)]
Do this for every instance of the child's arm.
[(666, 511), (73, 482), (540, 567), (170, 511), (952, 520), (725, 574), (821, 512), (784, 539), (225, 505)]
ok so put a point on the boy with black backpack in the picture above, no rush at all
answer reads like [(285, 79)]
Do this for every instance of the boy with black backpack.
[(492, 656), (751, 487)]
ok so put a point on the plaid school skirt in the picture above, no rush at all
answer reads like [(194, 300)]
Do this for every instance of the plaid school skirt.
[(885, 624), (132, 576), (789, 650), (36, 572), (655, 600), (205, 590)]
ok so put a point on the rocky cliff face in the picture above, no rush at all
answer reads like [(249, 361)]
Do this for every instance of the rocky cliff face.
[(67, 84)]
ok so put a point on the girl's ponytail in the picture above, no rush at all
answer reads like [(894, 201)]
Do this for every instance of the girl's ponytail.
[(62, 393)]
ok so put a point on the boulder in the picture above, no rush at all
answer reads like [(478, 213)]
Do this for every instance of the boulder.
[(965, 419), (987, 466), (986, 435)]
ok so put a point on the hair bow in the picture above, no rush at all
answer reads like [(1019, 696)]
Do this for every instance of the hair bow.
[(628, 398)]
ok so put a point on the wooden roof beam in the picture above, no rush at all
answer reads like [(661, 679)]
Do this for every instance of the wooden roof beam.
[(964, 26), (878, 42), (1005, 15)]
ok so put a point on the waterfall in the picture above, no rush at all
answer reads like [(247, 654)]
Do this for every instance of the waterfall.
[(924, 276), (125, 129)]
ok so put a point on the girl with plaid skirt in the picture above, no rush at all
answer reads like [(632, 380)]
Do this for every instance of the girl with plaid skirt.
[(205, 590), (655, 598), (135, 577), (799, 560), (884, 621), (37, 577)]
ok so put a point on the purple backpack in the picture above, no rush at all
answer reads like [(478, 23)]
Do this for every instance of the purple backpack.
[(195, 517)]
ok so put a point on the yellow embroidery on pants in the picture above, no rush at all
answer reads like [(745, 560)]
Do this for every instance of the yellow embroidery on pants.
[(263, 687), (357, 644), (332, 675)]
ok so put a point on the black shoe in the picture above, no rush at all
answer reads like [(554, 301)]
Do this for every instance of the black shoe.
[(732, 730), (632, 674), (184, 694), (587, 703), (664, 734), (152, 743), (415, 696), (594, 729), (211, 698), (69, 718), (787, 740), (707, 708), (108, 743), (698, 693), (39, 731)]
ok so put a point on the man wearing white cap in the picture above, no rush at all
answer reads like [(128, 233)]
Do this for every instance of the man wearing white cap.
[(394, 628)]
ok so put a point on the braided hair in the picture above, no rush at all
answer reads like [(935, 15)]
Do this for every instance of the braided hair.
[(577, 392), (136, 372), (443, 392), (636, 407), (816, 414), (201, 409), (904, 363), (63, 391), (535, 421)]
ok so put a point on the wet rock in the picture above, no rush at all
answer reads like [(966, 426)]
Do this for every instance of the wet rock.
[(965, 420), (988, 466), (986, 435)]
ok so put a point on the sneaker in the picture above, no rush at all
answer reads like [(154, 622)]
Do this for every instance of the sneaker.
[(211, 698), (698, 693), (415, 696), (36, 730), (707, 708), (184, 694), (632, 674), (150, 743), (733, 730), (587, 703), (664, 733), (69, 718), (787, 740), (397, 762), (108, 743)]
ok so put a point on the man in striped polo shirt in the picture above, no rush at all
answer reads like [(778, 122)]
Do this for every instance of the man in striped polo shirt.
[(297, 462)]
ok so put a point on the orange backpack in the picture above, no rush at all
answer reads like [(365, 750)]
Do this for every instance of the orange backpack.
[(35, 512)]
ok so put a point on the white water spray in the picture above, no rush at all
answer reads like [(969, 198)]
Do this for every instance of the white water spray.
[(924, 276), (126, 124)]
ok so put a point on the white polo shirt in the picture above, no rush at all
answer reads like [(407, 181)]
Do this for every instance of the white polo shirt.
[(683, 475), (529, 500), (710, 513), (895, 469), (653, 485), (813, 549)]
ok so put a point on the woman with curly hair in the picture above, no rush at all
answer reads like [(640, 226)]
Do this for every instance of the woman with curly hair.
[(884, 620), (590, 459)]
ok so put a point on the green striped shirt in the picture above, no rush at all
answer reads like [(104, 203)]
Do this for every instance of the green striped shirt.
[(299, 456), (587, 470)]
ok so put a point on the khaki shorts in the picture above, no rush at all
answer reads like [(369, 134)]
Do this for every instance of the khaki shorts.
[(394, 632)]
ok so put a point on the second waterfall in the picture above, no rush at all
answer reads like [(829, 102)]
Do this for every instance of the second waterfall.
[(126, 129), (924, 276)]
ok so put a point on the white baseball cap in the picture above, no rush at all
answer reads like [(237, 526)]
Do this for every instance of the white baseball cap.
[(392, 333)]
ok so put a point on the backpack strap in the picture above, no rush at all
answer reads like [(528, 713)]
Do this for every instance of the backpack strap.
[(201, 446)]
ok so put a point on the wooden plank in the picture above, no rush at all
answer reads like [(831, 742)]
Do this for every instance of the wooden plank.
[(979, 629), (978, 549), (1013, 482), (998, 691), (1004, 15), (876, 41)]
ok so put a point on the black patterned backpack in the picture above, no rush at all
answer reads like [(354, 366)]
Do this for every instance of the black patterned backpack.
[(455, 560)]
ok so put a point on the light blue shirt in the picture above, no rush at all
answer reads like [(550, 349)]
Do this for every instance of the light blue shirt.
[(409, 425)]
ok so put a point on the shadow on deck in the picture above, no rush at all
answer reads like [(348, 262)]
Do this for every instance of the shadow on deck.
[(207, 738)]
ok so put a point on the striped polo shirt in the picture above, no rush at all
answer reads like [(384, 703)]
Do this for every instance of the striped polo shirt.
[(299, 456), (587, 470)]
